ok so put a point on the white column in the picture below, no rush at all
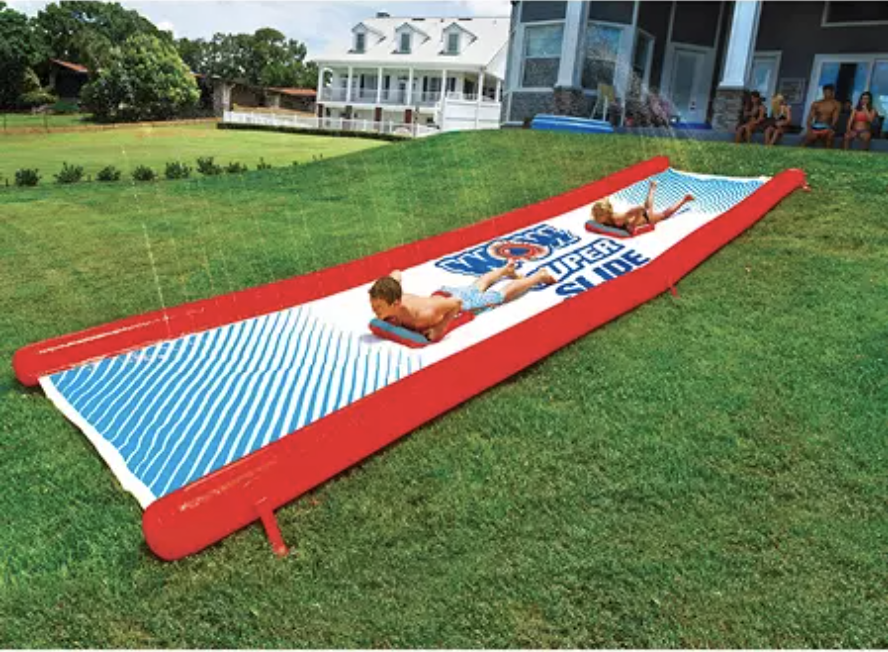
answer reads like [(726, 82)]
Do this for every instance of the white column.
[(379, 85), (410, 86), (741, 44), (570, 44), (499, 86), (478, 99), (443, 83), (320, 95), (348, 88)]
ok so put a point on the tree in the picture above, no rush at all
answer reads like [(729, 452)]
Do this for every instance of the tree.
[(264, 58), (86, 32), (144, 79), (20, 48)]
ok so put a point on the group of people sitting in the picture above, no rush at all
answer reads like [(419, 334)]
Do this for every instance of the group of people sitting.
[(823, 120)]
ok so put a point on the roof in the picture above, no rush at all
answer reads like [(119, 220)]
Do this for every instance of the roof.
[(296, 92), (76, 67), (491, 37)]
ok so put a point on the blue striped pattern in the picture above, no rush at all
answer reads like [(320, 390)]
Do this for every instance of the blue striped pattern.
[(712, 195), (180, 409)]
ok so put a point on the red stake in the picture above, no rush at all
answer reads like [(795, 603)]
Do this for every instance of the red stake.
[(272, 531)]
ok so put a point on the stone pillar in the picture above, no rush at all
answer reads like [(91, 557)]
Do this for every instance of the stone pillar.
[(570, 101), (728, 100), (726, 108)]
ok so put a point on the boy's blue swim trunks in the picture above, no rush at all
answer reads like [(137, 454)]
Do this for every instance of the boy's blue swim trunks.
[(473, 299)]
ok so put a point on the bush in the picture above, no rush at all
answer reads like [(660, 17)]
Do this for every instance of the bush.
[(262, 165), (295, 164), (70, 174), (177, 170), (207, 166), (144, 173), (235, 168), (27, 177), (108, 173), (64, 106)]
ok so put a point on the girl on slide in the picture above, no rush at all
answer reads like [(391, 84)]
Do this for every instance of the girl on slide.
[(603, 212)]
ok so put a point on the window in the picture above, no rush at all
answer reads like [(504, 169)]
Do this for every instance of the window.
[(405, 43), (453, 43), (542, 54), (879, 87), (644, 43), (855, 13), (360, 42), (602, 49)]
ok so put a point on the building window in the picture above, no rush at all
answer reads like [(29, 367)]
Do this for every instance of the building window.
[(405, 43), (542, 54), (602, 50), (855, 13), (453, 43), (360, 43)]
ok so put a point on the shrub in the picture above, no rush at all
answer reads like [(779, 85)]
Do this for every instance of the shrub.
[(295, 164), (65, 106), (207, 166), (108, 173), (262, 165), (235, 168), (27, 177), (144, 173), (177, 170), (69, 174)]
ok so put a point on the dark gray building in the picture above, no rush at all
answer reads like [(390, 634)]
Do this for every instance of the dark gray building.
[(699, 55)]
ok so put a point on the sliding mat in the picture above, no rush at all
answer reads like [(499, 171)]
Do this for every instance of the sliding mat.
[(214, 414)]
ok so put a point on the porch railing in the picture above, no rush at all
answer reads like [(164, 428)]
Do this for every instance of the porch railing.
[(329, 124)]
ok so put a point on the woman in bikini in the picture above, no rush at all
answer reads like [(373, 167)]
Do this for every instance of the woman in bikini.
[(860, 123), (629, 220), (781, 117)]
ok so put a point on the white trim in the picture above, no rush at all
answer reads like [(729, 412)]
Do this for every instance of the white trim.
[(105, 449), (648, 64), (669, 31), (570, 44), (858, 23), (742, 36)]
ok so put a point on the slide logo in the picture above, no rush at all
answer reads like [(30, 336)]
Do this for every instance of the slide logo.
[(534, 244)]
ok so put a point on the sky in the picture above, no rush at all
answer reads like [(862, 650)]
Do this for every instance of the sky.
[(317, 24)]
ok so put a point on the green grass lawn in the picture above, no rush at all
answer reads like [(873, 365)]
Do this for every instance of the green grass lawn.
[(28, 121), (706, 471), (128, 147)]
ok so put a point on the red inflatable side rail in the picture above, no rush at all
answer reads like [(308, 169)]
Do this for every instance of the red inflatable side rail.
[(209, 509), (60, 353)]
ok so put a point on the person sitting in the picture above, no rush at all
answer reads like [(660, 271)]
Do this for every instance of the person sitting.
[(781, 117), (860, 122), (752, 119), (431, 316), (822, 119), (637, 216)]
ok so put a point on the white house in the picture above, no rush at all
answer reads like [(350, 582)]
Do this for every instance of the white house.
[(443, 72)]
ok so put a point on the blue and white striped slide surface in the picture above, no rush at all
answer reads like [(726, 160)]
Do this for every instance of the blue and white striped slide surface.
[(168, 414)]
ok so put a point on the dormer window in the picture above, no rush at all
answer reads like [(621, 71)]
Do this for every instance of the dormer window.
[(360, 43), (404, 43), (453, 43)]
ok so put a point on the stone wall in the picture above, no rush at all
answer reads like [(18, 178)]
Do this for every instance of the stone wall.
[(726, 109), (527, 105)]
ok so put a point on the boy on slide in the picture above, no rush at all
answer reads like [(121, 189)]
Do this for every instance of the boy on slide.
[(431, 316)]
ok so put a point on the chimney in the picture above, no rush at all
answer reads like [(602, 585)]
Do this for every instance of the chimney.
[(382, 14)]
